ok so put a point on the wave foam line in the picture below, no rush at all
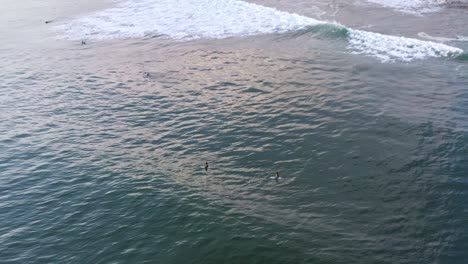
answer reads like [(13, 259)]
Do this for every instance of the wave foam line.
[(194, 19), (415, 7), (442, 39), (391, 48), (185, 19)]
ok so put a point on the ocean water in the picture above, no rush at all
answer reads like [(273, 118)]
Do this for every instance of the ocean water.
[(362, 106)]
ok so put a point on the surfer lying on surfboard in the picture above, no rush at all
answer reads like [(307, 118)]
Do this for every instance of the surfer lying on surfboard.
[(276, 177)]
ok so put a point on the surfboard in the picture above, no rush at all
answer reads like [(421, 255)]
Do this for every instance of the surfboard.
[(274, 178)]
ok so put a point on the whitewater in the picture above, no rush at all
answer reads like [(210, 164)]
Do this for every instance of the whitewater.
[(184, 20)]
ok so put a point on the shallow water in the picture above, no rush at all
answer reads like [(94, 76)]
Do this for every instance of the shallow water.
[(103, 146)]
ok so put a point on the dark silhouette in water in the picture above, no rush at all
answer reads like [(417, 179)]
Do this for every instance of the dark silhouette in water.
[(277, 175), (206, 166), (83, 42), (48, 21)]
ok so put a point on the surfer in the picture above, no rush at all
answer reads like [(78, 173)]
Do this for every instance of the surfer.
[(206, 166), (277, 175), (83, 42)]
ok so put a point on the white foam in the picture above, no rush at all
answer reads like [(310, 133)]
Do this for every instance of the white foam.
[(411, 6), (392, 48), (193, 19), (185, 19)]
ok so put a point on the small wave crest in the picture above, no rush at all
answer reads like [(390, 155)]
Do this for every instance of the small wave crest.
[(415, 7), (462, 57), (442, 39), (330, 31), (191, 19)]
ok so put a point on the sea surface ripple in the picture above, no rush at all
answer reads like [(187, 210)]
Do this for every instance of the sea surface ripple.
[(102, 155)]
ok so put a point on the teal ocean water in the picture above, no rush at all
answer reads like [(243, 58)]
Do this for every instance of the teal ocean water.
[(362, 107)]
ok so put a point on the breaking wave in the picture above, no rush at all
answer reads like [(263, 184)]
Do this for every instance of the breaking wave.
[(195, 19)]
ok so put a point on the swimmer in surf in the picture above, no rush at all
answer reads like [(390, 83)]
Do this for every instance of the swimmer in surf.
[(206, 166), (277, 175)]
